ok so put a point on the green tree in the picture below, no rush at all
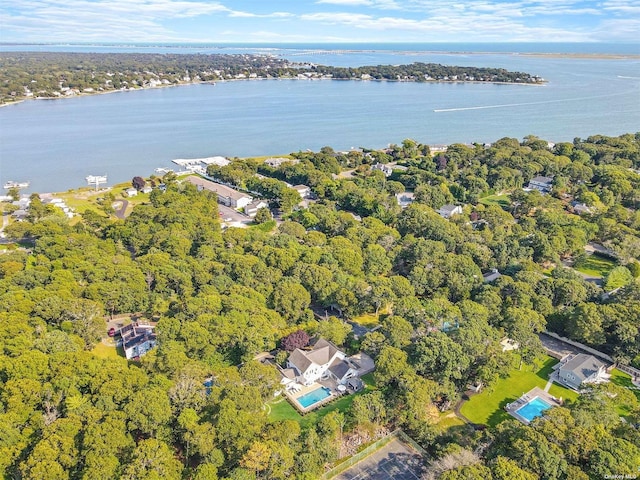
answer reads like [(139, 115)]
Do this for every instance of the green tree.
[(152, 460)]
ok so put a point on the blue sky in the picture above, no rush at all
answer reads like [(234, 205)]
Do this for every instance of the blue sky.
[(278, 21)]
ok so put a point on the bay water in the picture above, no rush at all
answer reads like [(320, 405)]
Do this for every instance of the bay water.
[(54, 144)]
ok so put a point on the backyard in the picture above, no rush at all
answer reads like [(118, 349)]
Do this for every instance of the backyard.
[(487, 408), (281, 409), (500, 200), (595, 265)]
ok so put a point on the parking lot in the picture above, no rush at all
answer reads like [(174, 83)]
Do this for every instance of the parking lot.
[(394, 461)]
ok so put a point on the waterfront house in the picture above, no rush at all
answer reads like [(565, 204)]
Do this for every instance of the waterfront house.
[(581, 369), (131, 192), (448, 211), (226, 195), (542, 184)]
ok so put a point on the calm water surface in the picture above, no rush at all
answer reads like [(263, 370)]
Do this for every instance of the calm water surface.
[(56, 143)]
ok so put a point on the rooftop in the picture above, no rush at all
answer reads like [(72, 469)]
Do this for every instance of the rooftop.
[(216, 188)]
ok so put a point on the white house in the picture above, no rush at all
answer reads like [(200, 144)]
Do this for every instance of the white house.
[(386, 169), (542, 184), (405, 199), (226, 196), (448, 211), (581, 369), (312, 365), (303, 190), (131, 192), (137, 339), (252, 208)]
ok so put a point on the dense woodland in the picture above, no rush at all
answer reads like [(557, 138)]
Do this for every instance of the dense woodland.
[(49, 75), (222, 296)]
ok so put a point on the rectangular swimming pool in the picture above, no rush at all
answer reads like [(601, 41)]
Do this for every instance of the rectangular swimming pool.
[(533, 408), (311, 398)]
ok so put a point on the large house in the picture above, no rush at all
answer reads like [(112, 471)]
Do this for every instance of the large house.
[(226, 195), (137, 339), (322, 361), (581, 369), (542, 184)]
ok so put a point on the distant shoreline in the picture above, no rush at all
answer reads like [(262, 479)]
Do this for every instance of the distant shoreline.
[(212, 82)]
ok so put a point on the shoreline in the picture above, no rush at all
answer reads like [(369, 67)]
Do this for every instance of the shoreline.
[(213, 83)]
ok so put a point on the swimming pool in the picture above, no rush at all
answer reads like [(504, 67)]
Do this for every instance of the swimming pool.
[(533, 408), (311, 398)]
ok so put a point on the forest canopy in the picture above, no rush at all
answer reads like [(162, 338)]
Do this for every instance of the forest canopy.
[(198, 405)]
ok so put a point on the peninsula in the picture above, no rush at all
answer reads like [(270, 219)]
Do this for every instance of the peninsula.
[(56, 75)]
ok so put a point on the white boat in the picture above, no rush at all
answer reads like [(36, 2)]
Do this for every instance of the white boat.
[(12, 184)]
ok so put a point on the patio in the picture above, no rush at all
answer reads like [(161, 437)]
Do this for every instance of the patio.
[(532, 395)]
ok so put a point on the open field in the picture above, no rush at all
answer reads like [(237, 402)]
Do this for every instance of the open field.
[(488, 407), (500, 200), (595, 265)]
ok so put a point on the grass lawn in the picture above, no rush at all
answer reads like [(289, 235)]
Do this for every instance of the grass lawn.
[(106, 351), (265, 227), (488, 407), (371, 320), (368, 320), (448, 420), (595, 265), (281, 409), (623, 379), (500, 200)]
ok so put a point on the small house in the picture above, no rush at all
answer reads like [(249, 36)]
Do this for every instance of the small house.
[(303, 190), (252, 208), (448, 211), (581, 369), (405, 199), (386, 169), (542, 184), (491, 276), (131, 192)]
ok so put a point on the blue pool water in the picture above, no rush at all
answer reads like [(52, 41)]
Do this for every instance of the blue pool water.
[(313, 397), (533, 409)]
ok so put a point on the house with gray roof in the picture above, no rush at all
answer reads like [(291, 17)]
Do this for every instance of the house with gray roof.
[(448, 211), (226, 195), (542, 184), (312, 365), (580, 370)]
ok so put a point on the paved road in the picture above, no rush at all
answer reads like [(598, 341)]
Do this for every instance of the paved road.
[(120, 213), (237, 219)]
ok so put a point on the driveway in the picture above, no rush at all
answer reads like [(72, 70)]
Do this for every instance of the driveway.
[(556, 346), (233, 218)]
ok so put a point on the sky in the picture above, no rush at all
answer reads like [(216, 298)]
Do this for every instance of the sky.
[(319, 21)]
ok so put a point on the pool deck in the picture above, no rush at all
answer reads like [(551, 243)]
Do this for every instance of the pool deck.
[(301, 390), (513, 407)]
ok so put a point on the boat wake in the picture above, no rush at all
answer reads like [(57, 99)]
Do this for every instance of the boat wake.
[(543, 102)]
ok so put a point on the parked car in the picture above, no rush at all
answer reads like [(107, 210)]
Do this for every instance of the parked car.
[(111, 332)]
